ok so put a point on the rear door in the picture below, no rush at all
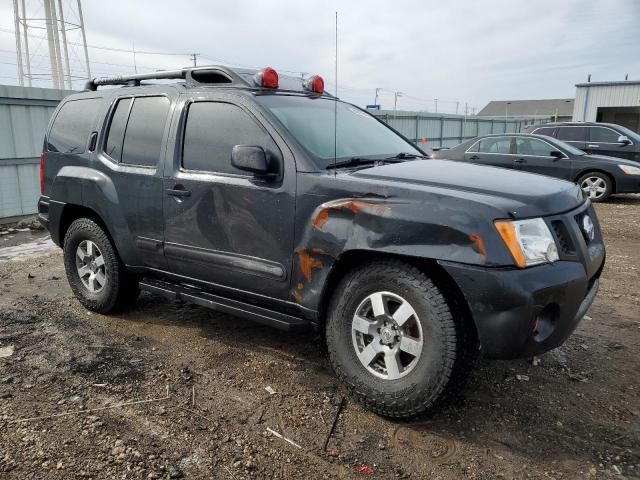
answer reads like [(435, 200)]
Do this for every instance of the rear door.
[(224, 226), (495, 151), (604, 141), (131, 149), (573, 135), (534, 155)]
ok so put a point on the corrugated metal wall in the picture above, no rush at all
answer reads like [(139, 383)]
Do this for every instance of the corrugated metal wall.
[(440, 130), (588, 99), (24, 115)]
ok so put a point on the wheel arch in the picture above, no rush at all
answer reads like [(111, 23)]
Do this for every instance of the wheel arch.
[(72, 212), (352, 259), (600, 171)]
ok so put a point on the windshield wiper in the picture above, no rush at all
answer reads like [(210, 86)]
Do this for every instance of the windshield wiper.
[(352, 162), (406, 156)]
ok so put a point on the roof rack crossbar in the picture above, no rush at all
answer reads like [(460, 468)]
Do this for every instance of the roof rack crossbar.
[(135, 79)]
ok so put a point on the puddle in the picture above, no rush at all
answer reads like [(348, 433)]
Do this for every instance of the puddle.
[(25, 244)]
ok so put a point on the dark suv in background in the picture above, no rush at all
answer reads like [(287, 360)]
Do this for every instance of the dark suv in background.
[(595, 138), (234, 190)]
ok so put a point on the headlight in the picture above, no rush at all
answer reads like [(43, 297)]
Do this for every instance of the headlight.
[(529, 241), (629, 170)]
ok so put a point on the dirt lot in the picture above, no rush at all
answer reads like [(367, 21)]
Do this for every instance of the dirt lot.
[(203, 410)]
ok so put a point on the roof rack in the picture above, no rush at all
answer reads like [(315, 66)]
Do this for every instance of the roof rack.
[(192, 75)]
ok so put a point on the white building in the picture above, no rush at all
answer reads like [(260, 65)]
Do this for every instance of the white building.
[(609, 102)]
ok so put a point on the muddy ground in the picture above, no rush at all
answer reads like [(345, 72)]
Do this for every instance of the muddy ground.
[(203, 412)]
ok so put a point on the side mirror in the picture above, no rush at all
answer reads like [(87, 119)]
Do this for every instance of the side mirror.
[(556, 154), (250, 159), (623, 139)]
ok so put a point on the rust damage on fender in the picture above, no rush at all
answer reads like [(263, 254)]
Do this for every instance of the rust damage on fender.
[(478, 245), (351, 205), (308, 262)]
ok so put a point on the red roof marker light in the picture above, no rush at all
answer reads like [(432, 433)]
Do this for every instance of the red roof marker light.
[(267, 78), (315, 84)]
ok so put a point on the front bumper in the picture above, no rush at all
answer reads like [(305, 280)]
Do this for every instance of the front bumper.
[(525, 312), (628, 184)]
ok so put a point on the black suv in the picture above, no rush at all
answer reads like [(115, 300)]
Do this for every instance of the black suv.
[(267, 198), (595, 138)]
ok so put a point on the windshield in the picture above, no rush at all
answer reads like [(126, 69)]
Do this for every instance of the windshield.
[(359, 135)]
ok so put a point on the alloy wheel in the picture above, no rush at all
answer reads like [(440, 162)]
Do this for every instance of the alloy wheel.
[(91, 268), (387, 335), (594, 187)]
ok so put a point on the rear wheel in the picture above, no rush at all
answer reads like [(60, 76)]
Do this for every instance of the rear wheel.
[(392, 338), (596, 186), (97, 276)]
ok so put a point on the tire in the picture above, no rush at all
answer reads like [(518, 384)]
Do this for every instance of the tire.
[(424, 375), (596, 186), (97, 276)]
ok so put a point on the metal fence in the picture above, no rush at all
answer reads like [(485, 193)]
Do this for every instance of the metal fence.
[(24, 115), (429, 130)]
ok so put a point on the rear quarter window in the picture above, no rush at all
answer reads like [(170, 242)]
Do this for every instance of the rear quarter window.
[(72, 125)]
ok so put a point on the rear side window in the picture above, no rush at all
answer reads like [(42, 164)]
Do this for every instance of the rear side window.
[(495, 145), (136, 130), (145, 130), (115, 137), (72, 125), (211, 131), (603, 135), (548, 131), (572, 134)]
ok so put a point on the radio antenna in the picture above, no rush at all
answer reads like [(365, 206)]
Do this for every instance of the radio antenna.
[(335, 106)]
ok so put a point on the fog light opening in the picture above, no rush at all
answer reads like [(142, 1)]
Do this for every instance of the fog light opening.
[(545, 322)]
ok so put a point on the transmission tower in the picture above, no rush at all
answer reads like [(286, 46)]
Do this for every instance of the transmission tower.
[(53, 30)]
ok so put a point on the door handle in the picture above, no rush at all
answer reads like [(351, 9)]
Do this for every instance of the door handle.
[(475, 157), (593, 146), (520, 160), (178, 191)]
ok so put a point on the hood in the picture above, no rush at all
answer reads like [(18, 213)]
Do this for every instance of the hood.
[(519, 194)]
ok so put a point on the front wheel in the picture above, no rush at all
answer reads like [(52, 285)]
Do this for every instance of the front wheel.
[(596, 186), (392, 338), (96, 274)]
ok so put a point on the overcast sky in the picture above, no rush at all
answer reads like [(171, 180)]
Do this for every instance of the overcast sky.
[(469, 51)]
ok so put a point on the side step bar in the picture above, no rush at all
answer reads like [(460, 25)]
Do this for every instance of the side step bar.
[(177, 291)]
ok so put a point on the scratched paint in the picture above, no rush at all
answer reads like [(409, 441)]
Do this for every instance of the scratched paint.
[(353, 206)]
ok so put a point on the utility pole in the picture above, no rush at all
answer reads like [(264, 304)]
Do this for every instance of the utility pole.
[(435, 104), (18, 47), (457, 105), (395, 100), (375, 101), (61, 48), (194, 57)]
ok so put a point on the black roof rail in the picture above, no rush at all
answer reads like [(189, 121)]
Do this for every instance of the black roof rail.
[(192, 75)]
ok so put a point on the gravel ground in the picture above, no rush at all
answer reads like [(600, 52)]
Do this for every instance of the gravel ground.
[(175, 391)]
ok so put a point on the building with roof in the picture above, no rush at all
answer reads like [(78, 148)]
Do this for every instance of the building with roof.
[(559, 109), (609, 102)]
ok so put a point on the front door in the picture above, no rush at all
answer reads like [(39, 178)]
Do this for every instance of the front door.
[(224, 226), (534, 155), (604, 141)]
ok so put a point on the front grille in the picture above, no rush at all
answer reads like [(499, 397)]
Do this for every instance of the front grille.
[(563, 238)]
